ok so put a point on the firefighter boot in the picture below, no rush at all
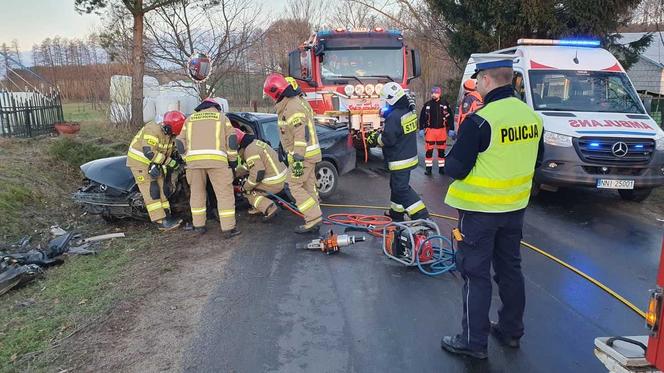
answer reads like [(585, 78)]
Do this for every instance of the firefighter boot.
[(190, 228), (271, 213), (169, 223), (314, 228), (428, 171), (394, 215), (231, 233)]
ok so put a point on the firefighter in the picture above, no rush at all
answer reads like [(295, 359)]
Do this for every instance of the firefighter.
[(266, 174), (434, 121), (399, 142), (297, 133), (471, 102), (151, 153), (210, 146), (492, 162)]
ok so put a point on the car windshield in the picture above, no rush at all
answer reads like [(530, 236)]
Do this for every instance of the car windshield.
[(585, 91), (375, 63)]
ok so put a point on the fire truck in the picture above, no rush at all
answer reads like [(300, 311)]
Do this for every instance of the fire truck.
[(342, 72)]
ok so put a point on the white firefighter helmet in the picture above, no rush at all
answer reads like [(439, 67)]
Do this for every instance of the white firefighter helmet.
[(391, 93)]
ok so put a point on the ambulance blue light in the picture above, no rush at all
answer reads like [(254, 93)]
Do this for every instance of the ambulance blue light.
[(580, 43), (639, 146), (394, 32), (324, 33), (594, 145)]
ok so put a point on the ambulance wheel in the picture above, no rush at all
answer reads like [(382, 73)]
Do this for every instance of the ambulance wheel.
[(634, 195), (327, 179)]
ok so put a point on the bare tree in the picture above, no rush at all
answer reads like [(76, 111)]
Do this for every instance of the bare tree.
[(349, 14), (223, 29)]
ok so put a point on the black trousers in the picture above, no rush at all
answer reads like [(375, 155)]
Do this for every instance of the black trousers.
[(491, 239), (403, 198)]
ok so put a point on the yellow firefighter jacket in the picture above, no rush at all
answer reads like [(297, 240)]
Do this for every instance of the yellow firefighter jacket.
[(150, 145), (297, 129), (263, 165), (208, 140)]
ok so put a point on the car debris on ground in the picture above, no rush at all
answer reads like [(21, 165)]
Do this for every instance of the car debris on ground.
[(20, 263)]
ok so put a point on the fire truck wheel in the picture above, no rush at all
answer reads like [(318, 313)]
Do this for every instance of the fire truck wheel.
[(327, 178)]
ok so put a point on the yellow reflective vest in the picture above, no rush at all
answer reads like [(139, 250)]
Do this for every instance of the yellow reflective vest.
[(502, 176)]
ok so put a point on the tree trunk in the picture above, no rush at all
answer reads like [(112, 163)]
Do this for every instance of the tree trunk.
[(138, 69)]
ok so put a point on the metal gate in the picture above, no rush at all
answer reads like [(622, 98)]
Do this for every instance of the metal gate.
[(28, 114)]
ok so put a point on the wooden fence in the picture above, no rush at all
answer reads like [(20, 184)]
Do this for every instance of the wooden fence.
[(28, 114)]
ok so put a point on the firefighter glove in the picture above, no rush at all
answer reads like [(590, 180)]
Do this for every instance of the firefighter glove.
[(372, 139), (452, 134), (177, 158), (298, 168), (173, 164), (154, 170), (421, 133), (232, 164)]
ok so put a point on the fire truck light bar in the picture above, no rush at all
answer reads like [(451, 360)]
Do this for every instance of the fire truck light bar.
[(564, 42)]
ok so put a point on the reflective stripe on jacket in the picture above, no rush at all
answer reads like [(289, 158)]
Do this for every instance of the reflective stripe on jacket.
[(208, 139), (150, 145), (259, 156), (297, 129)]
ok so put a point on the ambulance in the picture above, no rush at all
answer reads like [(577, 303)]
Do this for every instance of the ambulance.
[(597, 132)]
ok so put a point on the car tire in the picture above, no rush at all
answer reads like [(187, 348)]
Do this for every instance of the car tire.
[(327, 179), (634, 195)]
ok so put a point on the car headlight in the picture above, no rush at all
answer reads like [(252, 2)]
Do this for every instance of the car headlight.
[(349, 89), (369, 89), (659, 143), (556, 139), (359, 89), (378, 88)]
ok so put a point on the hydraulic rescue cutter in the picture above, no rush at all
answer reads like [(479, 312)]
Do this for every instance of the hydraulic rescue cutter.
[(331, 244)]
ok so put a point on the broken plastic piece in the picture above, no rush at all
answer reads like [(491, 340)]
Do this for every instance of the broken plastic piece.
[(104, 237)]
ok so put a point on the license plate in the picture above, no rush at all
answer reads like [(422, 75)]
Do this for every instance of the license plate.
[(615, 184)]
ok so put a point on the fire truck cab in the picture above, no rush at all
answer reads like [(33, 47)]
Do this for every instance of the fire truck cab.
[(342, 72)]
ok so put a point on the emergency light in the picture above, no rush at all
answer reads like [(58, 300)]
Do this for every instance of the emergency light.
[(564, 42)]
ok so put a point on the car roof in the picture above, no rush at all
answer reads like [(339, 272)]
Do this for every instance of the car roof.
[(256, 117)]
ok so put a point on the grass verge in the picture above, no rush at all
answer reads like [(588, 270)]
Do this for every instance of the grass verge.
[(37, 177)]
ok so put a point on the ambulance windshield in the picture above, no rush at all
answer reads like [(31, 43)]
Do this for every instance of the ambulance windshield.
[(369, 63), (586, 91)]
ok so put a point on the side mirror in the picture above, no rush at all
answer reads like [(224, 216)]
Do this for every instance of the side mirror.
[(416, 64), (647, 103), (199, 67), (294, 65)]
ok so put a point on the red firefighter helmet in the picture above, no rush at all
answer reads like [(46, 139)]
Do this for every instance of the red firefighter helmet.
[(174, 120), (275, 85), (239, 134), (469, 85)]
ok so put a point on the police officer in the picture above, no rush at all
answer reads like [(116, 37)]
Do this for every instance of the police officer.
[(151, 153), (399, 142), (297, 133), (492, 162), (209, 144), (435, 120)]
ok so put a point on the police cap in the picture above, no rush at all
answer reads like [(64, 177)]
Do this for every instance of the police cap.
[(487, 61)]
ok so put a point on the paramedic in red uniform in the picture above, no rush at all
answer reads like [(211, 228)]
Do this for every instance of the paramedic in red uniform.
[(472, 101), (435, 121)]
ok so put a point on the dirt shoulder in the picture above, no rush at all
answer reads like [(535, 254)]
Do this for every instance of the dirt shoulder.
[(149, 331)]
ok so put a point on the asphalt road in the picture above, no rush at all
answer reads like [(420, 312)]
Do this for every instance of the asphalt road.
[(283, 310)]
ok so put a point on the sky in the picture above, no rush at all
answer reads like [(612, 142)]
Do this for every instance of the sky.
[(31, 21)]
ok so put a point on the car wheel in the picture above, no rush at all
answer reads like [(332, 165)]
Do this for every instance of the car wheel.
[(327, 179), (634, 195)]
